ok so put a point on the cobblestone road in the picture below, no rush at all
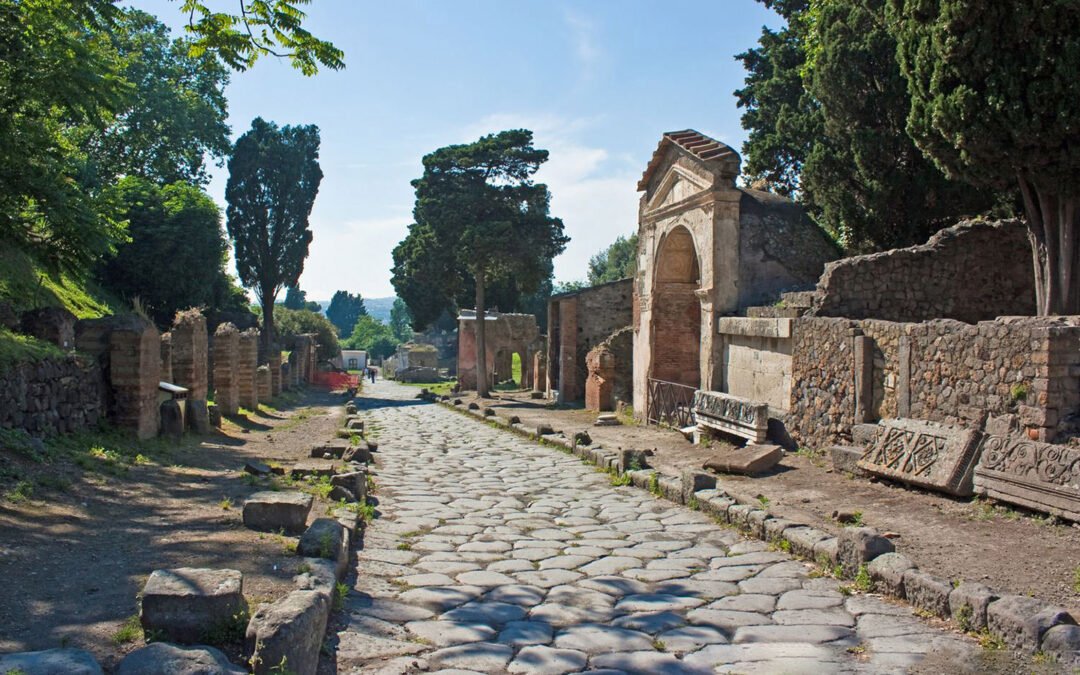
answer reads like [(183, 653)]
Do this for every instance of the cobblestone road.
[(494, 554)]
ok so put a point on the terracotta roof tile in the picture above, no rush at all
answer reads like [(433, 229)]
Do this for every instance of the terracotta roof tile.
[(696, 143)]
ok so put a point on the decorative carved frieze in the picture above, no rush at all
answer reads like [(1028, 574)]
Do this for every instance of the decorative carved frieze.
[(926, 454), (731, 414), (1039, 476)]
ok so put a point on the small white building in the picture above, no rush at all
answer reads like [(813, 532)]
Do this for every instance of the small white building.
[(353, 359)]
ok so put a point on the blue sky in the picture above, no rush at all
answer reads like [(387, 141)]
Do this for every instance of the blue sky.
[(598, 82)]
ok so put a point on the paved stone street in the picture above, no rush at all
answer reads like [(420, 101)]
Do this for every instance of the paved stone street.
[(495, 554)]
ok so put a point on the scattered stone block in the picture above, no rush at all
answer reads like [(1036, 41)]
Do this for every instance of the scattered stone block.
[(359, 453), (354, 481), (355, 425), (927, 592), (162, 658), (845, 459), (350, 408), (633, 460), (314, 467), (857, 546), (887, 571), (692, 481), (172, 419), (1021, 621), (340, 493), (968, 603), (288, 633), (473, 406), (326, 538), (607, 420), (544, 429), (51, 662), (335, 450), (1062, 642), (186, 603), (752, 459), (256, 468), (1039, 476), (729, 414), (273, 511), (926, 454), (582, 438)]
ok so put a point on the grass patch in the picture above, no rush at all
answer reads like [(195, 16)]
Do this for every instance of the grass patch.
[(26, 285), (341, 591), (438, 388), (130, 631), (16, 349), (1076, 579), (21, 493)]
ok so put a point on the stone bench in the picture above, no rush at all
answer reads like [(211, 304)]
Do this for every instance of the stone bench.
[(717, 411), (186, 603), (274, 511)]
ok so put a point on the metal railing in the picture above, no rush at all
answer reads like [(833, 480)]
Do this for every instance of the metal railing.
[(670, 404)]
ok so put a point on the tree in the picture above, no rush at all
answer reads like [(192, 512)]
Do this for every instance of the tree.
[(401, 321), (173, 115), (372, 336), (572, 286), (617, 261), (995, 100), (345, 310), (297, 299), (177, 254), (479, 214), (274, 176), (298, 322)]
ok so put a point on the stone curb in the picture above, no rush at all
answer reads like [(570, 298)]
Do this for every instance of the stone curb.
[(1021, 622)]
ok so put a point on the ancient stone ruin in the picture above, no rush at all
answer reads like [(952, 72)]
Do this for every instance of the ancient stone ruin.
[(227, 369), (578, 322), (505, 335), (190, 362)]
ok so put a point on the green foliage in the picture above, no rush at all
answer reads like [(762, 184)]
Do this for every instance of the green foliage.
[(994, 100), (177, 254), (262, 28), (130, 631), (572, 286), (297, 322), (297, 299), (341, 591), (16, 348), (345, 310), (374, 337), (1018, 392), (27, 284), (274, 176), (863, 582), (401, 321), (617, 261), (21, 493), (479, 217)]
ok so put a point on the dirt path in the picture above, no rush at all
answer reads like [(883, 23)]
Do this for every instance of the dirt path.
[(1003, 548), (72, 562)]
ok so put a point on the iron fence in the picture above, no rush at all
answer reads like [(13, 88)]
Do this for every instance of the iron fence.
[(670, 404)]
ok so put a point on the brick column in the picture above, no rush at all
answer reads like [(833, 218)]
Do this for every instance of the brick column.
[(226, 372), (247, 362), (134, 374), (262, 379), (273, 360), (190, 357), (166, 357)]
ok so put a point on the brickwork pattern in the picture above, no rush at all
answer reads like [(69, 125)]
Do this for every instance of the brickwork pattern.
[(190, 353), (247, 362), (226, 369)]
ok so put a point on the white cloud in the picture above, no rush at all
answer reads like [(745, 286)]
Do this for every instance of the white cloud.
[(353, 255), (590, 56)]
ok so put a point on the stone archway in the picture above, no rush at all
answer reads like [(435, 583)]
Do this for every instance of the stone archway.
[(676, 311)]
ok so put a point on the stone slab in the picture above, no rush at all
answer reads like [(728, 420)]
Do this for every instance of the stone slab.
[(185, 603), (335, 450), (288, 633), (929, 455), (314, 467), (51, 662), (729, 414), (273, 511), (752, 459), (162, 658), (327, 539), (1039, 476)]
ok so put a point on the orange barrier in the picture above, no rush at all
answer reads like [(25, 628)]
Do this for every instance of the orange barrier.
[(332, 380)]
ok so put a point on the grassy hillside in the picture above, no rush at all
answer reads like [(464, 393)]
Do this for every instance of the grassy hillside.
[(25, 285)]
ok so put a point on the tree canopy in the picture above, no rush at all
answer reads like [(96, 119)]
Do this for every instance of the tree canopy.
[(372, 336), (297, 299), (401, 321), (617, 261), (274, 177), (995, 100), (480, 218), (293, 322), (345, 310)]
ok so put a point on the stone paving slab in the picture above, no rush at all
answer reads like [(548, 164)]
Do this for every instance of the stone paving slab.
[(494, 554)]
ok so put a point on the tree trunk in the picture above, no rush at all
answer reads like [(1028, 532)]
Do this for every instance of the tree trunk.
[(481, 351), (1052, 230), (267, 337)]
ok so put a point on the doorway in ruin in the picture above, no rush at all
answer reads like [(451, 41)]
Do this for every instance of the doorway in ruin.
[(676, 330)]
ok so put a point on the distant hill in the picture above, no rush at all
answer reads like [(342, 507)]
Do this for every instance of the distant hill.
[(379, 308)]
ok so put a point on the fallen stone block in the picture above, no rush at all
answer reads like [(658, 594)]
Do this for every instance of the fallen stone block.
[(187, 604), (334, 450), (927, 592), (340, 493), (752, 459), (457, 401), (692, 481), (1039, 476), (354, 481), (274, 511), (544, 429), (926, 454), (326, 538), (633, 460), (314, 467), (1021, 621), (511, 420), (162, 658), (473, 405), (356, 426), (607, 420), (857, 546), (257, 468), (1063, 642), (887, 572), (488, 412), (288, 634), (317, 574), (968, 603), (582, 438), (51, 662), (358, 453), (845, 459), (350, 408)]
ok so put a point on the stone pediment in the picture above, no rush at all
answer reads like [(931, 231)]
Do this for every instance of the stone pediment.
[(679, 185), (713, 157)]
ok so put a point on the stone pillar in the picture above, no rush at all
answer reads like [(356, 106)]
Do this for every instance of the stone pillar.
[(313, 359), (226, 375), (864, 378), (567, 351), (262, 379), (539, 381), (190, 360), (134, 374), (166, 358), (273, 360), (293, 370), (247, 362), (600, 385)]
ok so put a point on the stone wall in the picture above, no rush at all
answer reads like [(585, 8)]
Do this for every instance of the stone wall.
[(756, 360), (52, 324), (226, 369), (971, 272), (580, 321), (53, 396), (504, 335), (611, 372), (846, 372)]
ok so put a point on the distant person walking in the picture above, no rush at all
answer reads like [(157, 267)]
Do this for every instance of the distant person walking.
[(371, 374)]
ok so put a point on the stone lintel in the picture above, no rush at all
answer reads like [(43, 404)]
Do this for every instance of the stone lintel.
[(768, 328)]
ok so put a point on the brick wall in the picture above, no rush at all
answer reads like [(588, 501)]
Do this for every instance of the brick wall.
[(226, 368), (677, 334)]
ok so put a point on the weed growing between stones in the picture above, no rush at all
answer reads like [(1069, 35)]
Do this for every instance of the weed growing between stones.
[(341, 591), (659, 645), (989, 641), (856, 519), (326, 545), (618, 480), (1076, 579), (20, 494), (764, 501), (372, 487), (404, 546), (654, 484), (963, 618), (227, 631), (693, 504), (863, 582), (225, 504), (130, 631)]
